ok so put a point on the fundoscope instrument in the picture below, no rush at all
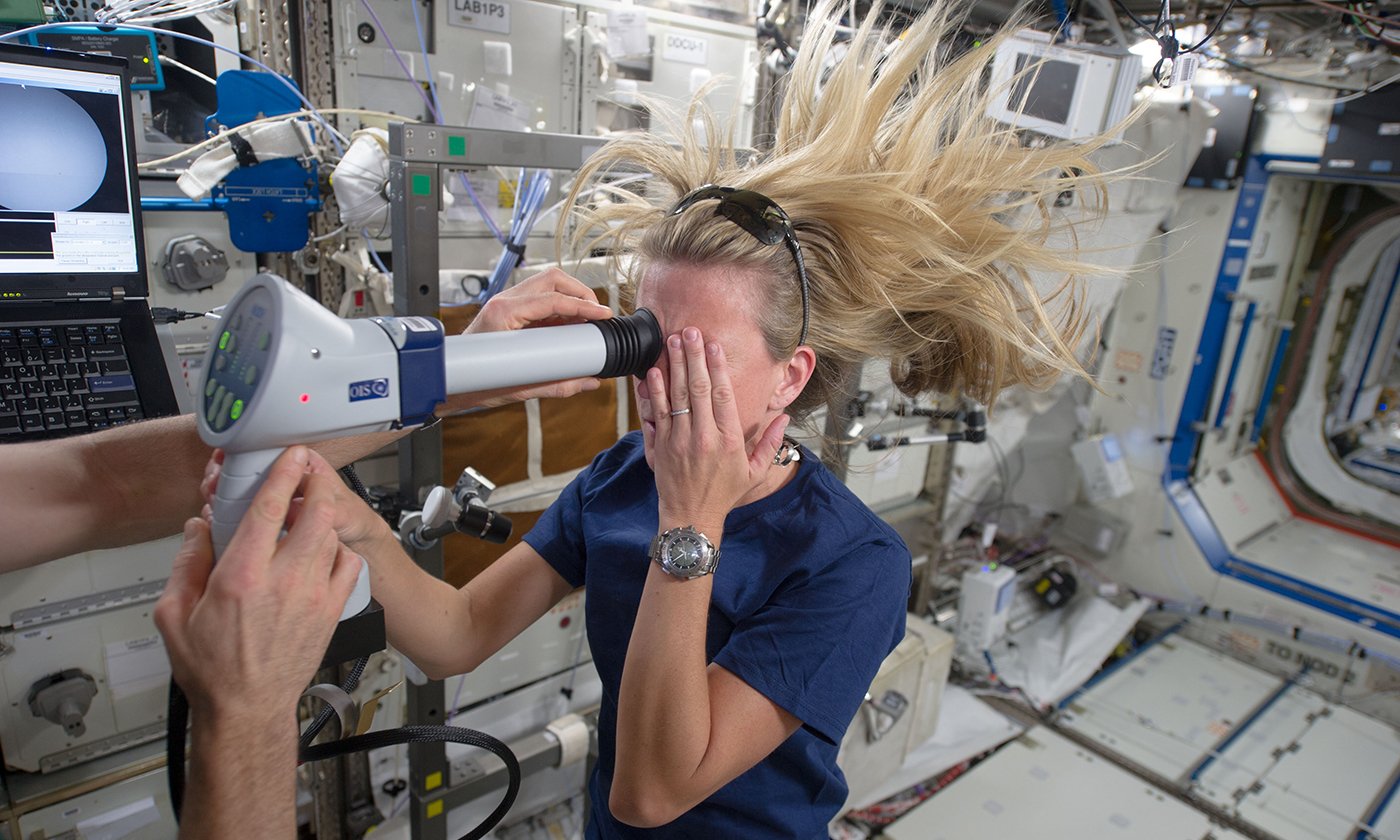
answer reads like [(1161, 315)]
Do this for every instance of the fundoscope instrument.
[(283, 370)]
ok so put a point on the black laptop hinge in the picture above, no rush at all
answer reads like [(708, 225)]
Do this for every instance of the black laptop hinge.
[(118, 293)]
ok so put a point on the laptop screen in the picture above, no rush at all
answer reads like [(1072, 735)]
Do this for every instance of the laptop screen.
[(69, 213)]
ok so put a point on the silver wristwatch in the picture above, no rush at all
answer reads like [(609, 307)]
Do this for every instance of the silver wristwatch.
[(684, 553)]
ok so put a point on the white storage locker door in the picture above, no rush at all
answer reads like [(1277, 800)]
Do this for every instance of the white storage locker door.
[(683, 53)]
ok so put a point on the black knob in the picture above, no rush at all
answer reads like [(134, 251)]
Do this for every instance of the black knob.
[(482, 522)]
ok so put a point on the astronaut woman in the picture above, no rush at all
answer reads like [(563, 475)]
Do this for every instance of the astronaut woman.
[(740, 600)]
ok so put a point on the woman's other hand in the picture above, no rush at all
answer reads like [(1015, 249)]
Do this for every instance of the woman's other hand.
[(703, 466)]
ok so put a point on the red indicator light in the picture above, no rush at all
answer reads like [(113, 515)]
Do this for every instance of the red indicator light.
[(306, 398)]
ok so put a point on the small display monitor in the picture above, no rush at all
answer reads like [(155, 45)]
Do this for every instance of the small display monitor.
[(1070, 91), (1047, 92), (69, 207)]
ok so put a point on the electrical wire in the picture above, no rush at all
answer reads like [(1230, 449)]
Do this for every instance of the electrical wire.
[(156, 11), (481, 208), (217, 138), (452, 710), (531, 191), (1377, 32), (530, 195), (432, 109), (1347, 11), (338, 231), (1163, 31), (285, 82), (427, 68), (1240, 65), (165, 59), (429, 734), (374, 255), (1225, 13), (437, 113), (348, 686)]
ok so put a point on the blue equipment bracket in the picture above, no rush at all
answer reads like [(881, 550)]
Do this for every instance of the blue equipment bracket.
[(267, 204), (247, 95)]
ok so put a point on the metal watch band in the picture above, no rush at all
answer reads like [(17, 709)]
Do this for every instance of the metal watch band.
[(709, 555)]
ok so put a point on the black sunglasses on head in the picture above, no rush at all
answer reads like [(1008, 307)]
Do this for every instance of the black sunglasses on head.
[(763, 219)]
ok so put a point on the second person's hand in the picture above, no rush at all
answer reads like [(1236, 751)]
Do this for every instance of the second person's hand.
[(248, 632), (355, 523)]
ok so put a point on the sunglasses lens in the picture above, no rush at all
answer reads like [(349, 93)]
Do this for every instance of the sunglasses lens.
[(744, 211)]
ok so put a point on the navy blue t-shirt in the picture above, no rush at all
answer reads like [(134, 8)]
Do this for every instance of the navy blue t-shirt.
[(808, 600)]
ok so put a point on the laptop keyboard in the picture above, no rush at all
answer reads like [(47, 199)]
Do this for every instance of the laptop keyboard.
[(62, 376)]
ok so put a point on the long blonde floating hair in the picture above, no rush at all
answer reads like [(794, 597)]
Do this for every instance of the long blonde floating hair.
[(922, 220)]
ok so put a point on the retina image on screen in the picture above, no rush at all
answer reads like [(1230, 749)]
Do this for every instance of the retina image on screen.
[(1047, 92), (65, 205)]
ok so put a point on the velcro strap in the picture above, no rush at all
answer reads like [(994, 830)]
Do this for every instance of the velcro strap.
[(242, 150)]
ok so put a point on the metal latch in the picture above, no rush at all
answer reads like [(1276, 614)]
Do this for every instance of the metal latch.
[(881, 715)]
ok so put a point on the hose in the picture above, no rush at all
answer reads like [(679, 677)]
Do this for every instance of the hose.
[(178, 718), (423, 734)]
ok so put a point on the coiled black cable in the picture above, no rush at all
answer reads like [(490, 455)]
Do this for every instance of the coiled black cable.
[(324, 717), (422, 734), (355, 483), (178, 718)]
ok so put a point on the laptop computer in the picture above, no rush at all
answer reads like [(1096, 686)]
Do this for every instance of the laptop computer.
[(78, 348)]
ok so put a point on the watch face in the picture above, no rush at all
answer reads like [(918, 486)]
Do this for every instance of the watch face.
[(684, 553)]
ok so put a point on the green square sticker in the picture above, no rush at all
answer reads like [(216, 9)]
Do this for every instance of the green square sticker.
[(457, 146), (422, 185)]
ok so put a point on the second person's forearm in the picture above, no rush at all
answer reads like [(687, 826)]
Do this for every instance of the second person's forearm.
[(242, 780)]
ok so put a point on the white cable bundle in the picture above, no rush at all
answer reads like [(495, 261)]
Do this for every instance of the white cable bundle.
[(289, 138), (156, 11), (359, 181)]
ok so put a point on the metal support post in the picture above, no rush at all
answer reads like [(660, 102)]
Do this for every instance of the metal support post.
[(418, 155), (414, 191), (327, 784)]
